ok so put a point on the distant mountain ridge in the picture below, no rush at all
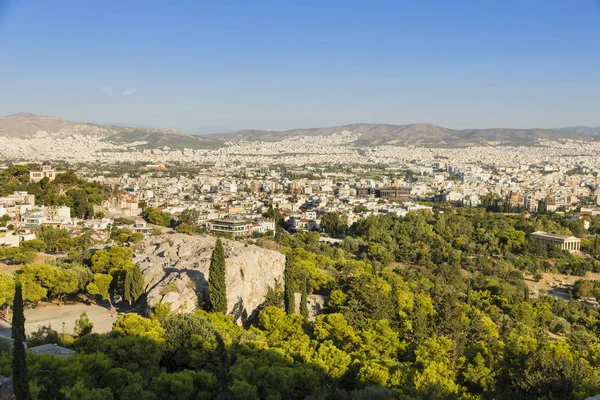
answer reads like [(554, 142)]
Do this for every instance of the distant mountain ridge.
[(28, 126), (419, 134), (585, 130)]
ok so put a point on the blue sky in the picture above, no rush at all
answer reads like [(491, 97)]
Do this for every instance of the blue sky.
[(286, 64)]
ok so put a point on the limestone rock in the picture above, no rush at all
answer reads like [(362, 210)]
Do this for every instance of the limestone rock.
[(175, 268), (315, 304)]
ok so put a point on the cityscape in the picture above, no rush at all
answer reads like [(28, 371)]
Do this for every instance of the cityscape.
[(276, 221)]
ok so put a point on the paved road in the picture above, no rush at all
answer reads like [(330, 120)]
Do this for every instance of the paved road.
[(55, 316)]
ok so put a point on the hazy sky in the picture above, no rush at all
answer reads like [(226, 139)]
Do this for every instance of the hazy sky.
[(286, 64)]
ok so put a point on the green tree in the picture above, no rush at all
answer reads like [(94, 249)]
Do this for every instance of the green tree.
[(156, 217), (304, 300), (183, 333), (36, 245), (19, 361), (52, 237), (289, 299), (132, 324), (217, 291), (100, 286), (190, 216), (334, 224), (7, 289), (133, 284), (83, 326)]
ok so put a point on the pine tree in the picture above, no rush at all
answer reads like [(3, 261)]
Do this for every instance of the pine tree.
[(217, 291), (304, 300), (19, 361), (289, 299)]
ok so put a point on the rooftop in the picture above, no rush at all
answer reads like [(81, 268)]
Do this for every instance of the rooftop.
[(52, 349), (542, 234)]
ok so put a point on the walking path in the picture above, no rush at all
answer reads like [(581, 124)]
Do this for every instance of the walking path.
[(55, 316)]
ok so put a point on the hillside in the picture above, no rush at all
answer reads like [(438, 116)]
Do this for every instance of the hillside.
[(584, 130), (414, 135), (29, 126)]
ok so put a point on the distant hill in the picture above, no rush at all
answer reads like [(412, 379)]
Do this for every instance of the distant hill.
[(584, 130), (39, 126), (414, 135)]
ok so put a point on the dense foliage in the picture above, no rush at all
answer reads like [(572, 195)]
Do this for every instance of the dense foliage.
[(428, 306), (107, 274), (66, 189)]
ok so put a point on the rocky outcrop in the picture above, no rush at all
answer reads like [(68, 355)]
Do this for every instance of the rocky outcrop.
[(176, 266), (316, 303)]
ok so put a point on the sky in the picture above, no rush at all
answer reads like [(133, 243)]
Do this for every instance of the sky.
[(198, 66)]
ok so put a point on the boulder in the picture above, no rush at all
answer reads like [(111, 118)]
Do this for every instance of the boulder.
[(175, 269), (315, 304)]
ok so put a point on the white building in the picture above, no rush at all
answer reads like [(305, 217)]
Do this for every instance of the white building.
[(46, 172), (13, 238), (304, 224), (263, 226)]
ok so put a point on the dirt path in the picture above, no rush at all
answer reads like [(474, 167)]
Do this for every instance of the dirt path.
[(557, 285), (54, 316)]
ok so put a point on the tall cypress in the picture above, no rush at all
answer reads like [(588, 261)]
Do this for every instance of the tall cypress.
[(134, 284), (304, 300), (289, 299), (217, 291), (19, 361)]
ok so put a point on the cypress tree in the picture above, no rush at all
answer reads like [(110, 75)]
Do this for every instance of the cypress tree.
[(289, 299), (19, 361), (217, 291), (304, 300), (133, 285)]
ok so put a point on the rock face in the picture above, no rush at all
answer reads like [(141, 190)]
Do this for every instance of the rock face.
[(315, 304), (175, 268)]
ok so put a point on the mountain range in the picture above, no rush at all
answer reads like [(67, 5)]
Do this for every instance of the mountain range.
[(586, 130), (415, 135), (419, 134), (26, 126)]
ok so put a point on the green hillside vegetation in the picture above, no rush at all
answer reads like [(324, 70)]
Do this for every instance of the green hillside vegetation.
[(428, 306), (156, 139), (67, 189)]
